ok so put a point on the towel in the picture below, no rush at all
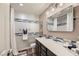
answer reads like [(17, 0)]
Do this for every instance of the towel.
[(33, 45), (25, 37)]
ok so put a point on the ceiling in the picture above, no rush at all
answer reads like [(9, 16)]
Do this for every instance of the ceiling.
[(30, 8)]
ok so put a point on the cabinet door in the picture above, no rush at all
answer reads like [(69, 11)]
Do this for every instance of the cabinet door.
[(43, 53), (37, 48), (43, 50)]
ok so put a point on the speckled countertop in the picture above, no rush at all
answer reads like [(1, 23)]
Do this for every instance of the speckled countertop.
[(56, 48)]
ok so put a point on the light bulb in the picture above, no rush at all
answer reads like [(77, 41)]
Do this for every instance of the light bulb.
[(61, 4), (21, 4), (53, 9), (47, 12)]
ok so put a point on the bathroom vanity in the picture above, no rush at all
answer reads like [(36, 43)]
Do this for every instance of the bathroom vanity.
[(48, 47), (41, 50)]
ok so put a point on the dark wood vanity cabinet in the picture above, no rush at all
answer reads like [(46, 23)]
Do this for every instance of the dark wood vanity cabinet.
[(41, 50), (38, 47)]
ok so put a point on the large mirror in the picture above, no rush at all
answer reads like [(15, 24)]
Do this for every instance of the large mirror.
[(61, 21)]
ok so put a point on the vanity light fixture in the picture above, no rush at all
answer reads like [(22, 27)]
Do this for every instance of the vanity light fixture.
[(47, 13), (21, 4), (53, 9), (61, 4)]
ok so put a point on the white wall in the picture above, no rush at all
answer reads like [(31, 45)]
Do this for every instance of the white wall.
[(31, 27), (26, 16), (4, 27)]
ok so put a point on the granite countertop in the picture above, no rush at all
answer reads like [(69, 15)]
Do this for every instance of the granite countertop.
[(56, 48)]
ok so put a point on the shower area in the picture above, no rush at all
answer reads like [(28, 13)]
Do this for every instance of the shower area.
[(24, 30)]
